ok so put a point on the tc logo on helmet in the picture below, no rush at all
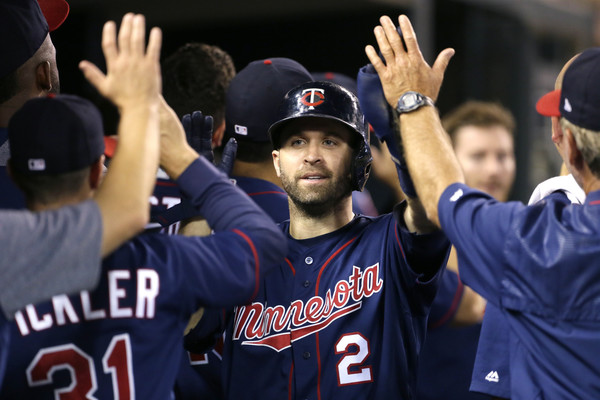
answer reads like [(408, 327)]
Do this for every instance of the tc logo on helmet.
[(312, 97)]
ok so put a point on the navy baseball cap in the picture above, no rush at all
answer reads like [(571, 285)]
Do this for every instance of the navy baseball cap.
[(254, 95), (339, 78), (55, 135), (24, 25), (579, 99)]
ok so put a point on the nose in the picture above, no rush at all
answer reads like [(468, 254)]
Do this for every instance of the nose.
[(313, 153), (493, 166)]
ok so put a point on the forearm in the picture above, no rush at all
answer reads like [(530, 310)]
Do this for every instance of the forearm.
[(123, 196), (429, 156)]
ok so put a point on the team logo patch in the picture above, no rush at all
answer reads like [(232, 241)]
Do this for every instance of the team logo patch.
[(568, 107), (312, 97), (492, 376), (276, 327), (241, 130), (36, 164)]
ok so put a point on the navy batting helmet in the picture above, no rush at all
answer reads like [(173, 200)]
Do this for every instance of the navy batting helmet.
[(332, 101)]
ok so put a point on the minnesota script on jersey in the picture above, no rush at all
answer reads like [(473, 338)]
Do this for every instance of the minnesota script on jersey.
[(343, 317)]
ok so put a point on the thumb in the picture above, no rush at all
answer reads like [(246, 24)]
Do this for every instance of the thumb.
[(442, 60), (93, 75)]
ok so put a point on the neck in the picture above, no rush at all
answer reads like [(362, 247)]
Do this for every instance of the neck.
[(591, 184), (59, 202), (262, 170), (305, 226)]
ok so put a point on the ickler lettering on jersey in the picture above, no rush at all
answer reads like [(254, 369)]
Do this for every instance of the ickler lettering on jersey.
[(277, 327), (63, 311)]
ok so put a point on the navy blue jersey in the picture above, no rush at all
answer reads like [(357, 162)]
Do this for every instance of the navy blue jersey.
[(538, 264), (491, 371), (344, 316), (447, 357), (124, 339), (10, 195)]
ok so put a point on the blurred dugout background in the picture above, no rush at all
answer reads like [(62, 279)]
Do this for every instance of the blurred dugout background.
[(508, 51)]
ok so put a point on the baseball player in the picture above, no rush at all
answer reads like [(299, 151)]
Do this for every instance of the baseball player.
[(195, 77), (491, 372), (537, 263), (58, 251), (133, 322), (344, 316)]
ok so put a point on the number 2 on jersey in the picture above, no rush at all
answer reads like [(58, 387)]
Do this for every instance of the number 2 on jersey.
[(350, 369), (116, 361)]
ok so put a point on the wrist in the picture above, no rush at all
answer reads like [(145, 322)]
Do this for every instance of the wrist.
[(175, 163)]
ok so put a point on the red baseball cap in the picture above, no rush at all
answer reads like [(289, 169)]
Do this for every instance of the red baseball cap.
[(548, 104), (110, 145), (55, 11)]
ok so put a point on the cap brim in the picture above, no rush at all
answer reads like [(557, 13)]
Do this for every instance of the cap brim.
[(55, 12), (110, 144), (548, 104)]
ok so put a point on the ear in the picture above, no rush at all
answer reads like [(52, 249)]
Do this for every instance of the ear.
[(218, 134), (43, 78), (97, 173), (574, 155), (275, 154), (557, 132)]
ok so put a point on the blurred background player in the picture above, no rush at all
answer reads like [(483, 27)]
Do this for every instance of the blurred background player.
[(482, 139), (195, 78), (28, 69)]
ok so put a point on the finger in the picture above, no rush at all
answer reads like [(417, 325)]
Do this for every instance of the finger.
[(384, 45), (392, 35), (186, 121), (208, 125), (228, 157), (125, 33), (138, 34), (92, 74), (410, 38), (374, 59), (154, 44), (109, 44), (442, 61)]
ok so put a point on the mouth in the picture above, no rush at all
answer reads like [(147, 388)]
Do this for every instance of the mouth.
[(313, 176)]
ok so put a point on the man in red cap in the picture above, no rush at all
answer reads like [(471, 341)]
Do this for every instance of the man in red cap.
[(27, 68)]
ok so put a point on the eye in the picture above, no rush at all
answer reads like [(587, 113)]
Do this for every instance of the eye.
[(296, 142), (478, 156), (329, 142)]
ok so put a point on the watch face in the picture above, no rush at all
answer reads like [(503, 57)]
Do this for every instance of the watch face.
[(409, 99)]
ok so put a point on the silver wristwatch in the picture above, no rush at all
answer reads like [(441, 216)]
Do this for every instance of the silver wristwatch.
[(411, 101)]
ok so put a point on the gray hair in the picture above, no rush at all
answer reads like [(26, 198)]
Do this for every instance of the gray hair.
[(588, 142)]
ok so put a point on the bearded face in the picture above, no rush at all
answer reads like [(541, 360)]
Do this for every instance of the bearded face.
[(314, 164)]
